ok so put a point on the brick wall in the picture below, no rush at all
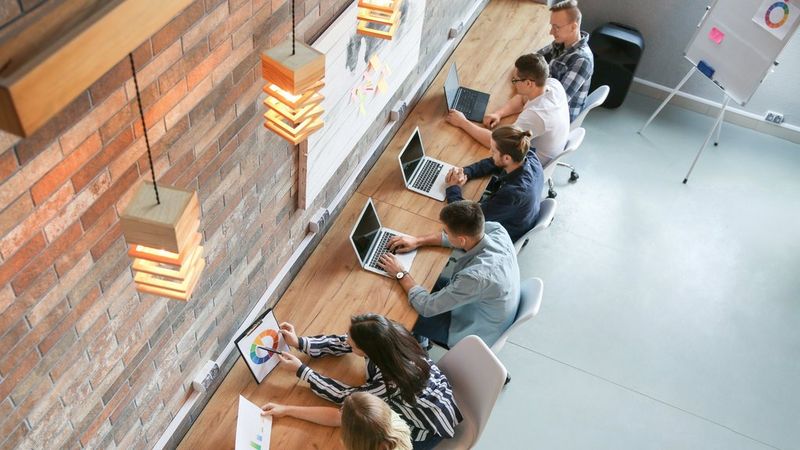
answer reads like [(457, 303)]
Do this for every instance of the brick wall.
[(86, 361)]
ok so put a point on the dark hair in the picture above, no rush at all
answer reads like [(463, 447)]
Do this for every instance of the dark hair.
[(533, 67), (463, 217), (571, 7), (512, 141), (395, 351)]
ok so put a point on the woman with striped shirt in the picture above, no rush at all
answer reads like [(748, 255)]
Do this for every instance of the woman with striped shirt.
[(398, 371)]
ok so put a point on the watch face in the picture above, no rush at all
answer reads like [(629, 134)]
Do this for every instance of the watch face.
[(400, 275)]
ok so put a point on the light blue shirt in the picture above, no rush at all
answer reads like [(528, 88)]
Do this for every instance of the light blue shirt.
[(483, 294)]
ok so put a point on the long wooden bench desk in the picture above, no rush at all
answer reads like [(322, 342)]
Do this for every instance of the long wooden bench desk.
[(331, 287)]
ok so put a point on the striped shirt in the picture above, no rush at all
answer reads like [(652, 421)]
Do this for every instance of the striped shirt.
[(435, 411), (573, 67)]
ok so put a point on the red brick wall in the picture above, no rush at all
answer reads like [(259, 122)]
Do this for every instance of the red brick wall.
[(86, 361)]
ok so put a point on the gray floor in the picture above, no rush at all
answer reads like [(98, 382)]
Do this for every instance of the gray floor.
[(671, 312)]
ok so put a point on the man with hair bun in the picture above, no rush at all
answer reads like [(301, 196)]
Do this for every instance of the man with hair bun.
[(513, 199)]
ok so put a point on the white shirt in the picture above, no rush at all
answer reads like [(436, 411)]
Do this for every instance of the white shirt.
[(547, 117)]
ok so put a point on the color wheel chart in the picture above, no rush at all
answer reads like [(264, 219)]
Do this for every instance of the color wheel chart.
[(254, 343), (252, 429), (777, 16)]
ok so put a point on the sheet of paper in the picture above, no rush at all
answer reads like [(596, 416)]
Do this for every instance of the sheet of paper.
[(252, 429), (777, 16), (716, 35)]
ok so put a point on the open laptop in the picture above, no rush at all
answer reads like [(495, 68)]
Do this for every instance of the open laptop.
[(370, 240), (469, 101), (420, 173)]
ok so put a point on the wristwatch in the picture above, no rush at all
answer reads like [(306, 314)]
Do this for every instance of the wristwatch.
[(400, 275)]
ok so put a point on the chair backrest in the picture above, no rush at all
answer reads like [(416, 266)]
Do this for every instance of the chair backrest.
[(530, 300), (477, 377), (574, 141), (593, 100), (547, 211)]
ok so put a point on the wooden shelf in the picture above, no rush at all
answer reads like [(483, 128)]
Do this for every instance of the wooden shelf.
[(49, 57)]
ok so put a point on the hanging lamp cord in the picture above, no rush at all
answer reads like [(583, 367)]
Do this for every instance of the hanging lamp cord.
[(292, 27), (144, 127)]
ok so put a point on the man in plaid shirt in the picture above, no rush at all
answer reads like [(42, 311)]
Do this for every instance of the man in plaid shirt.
[(571, 61)]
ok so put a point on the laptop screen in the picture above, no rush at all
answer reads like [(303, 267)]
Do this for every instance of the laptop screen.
[(366, 231), (451, 86), (411, 156)]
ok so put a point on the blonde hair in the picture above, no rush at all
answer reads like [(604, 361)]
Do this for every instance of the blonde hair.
[(571, 8), (512, 141), (369, 424)]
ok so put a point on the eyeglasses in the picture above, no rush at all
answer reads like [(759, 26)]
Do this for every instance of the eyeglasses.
[(517, 80), (555, 27)]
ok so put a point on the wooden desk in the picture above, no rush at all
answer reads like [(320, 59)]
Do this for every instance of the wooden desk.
[(331, 287)]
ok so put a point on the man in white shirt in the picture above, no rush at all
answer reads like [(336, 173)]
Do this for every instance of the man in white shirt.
[(542, 106)]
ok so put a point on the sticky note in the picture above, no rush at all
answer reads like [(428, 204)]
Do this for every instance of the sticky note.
[(382, 85), (716, 35)]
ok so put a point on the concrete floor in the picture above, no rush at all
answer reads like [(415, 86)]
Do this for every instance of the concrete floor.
[(671, 312)]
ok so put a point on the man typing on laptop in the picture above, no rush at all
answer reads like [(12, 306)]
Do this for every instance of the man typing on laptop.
[(482, 295)]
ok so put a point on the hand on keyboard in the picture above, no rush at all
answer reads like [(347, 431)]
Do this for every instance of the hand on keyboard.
[(390, 264), (456, 118), (403, 244)]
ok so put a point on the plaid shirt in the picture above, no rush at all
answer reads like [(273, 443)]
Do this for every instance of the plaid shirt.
[(573, 68)]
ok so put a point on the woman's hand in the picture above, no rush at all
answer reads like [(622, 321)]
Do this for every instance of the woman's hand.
[(289, 362), (289, 335)]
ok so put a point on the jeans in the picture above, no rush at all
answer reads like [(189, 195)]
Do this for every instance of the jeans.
[(436, 328)]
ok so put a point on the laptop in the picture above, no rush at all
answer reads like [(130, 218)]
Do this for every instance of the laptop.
[(420, 173), (469, 101), (370, 240)]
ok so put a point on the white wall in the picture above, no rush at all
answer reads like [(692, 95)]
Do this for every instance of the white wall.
[(667, 26)]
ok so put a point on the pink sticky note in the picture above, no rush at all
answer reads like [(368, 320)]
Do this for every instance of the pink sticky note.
[(716, 35)]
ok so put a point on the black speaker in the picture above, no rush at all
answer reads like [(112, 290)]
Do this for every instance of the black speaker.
[(617, 50)]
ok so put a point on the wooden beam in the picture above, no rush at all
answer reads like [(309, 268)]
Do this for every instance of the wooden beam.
[(48, 60)]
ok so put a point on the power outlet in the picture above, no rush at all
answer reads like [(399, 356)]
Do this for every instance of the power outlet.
[(205, 377), (773, 117), (318, 220)]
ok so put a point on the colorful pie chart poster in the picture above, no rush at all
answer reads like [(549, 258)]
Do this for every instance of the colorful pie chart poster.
[(258, 343), (777, 16), (252, 429)]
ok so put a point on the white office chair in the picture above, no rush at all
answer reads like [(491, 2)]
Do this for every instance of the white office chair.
[(574, 141), (530, 300), (547, 211), (477, 377), (593, 100)]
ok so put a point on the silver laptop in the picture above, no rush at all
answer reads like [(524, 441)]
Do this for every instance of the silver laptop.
[(370, 240), (420, 173)]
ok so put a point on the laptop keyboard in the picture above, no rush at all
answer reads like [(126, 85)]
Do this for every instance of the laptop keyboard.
[(380, 249), (466, 100), (427, 175)]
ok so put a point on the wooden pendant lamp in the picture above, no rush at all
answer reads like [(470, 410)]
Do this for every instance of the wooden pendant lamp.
[(294, 73), (162, 233), (378, 18)]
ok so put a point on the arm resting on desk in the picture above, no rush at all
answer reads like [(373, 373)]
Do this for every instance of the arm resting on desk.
[(477, 170), (336, 391), (316, 346), (462, 290), (323, 415)]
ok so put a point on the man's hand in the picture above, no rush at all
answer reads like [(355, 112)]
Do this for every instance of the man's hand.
[(455, 177), (274, 410), (287, 331), (390, 264), (403, 244), (289, 362), (456, 118), (491, 120)]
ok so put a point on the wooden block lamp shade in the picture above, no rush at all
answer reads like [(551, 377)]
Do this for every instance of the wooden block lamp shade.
[(293, 102), (164, 241), (378, 18)]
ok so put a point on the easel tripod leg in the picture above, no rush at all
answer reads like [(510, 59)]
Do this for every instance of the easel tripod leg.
[(717, 124), (719, 130), (666, 100)]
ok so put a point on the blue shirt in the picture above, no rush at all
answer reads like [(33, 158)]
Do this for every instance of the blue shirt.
[(514, 198), (483, 294)]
